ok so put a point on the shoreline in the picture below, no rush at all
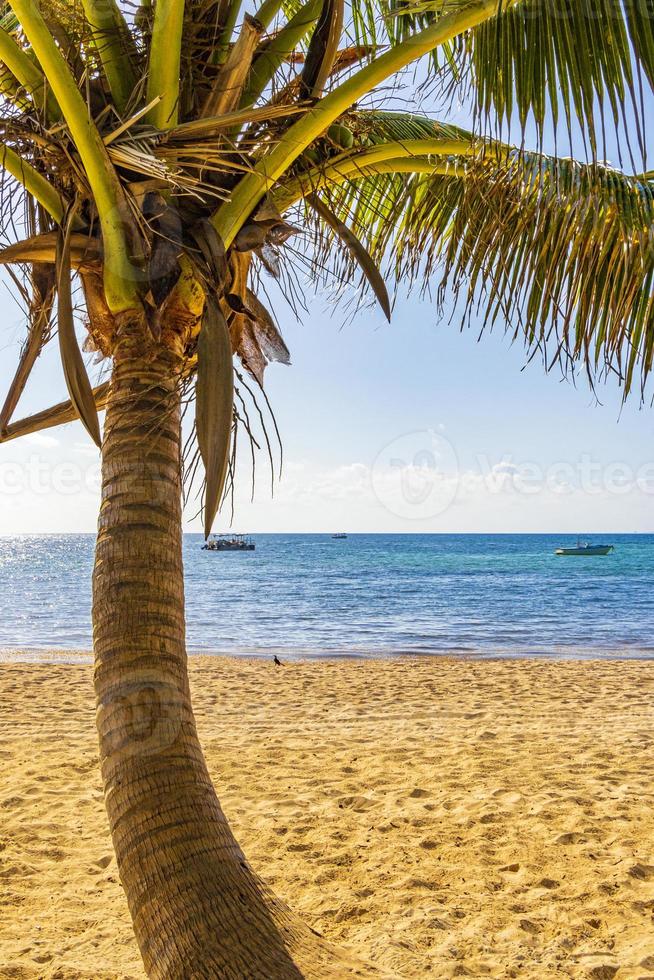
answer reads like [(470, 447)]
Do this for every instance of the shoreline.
[(84, 656), (486, 819)]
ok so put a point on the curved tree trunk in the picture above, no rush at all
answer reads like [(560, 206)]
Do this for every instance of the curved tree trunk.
[(197, 907)]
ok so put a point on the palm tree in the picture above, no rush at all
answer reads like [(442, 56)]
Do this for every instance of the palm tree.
[(166, 154)]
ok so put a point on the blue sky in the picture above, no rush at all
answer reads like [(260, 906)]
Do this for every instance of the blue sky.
[(412, 426)]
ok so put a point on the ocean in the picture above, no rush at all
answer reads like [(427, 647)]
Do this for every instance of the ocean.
[(306, 595)]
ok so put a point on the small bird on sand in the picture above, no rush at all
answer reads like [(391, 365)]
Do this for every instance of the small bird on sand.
[(278, 662)]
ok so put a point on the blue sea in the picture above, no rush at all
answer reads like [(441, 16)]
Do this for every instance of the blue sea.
[(370, 595)]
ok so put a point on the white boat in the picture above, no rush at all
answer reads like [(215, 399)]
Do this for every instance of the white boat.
[(341, 536), (585, 549)]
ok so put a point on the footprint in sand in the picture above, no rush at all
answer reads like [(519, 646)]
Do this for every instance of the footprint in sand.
[(42, 958), (571, 838), (356, 803), (52, 853), (603, 972), (350, 912), (437, 924), (420, 884), (507, 796), (642, 872)]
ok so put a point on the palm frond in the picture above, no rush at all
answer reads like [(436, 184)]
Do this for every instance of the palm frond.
[(58, 414), (27, 75), (77, 381), (322, 50), (561, 253), (358, 251), (164, 76), (383, 126), (43, 290), (42, 248), (252, 188), (116, 48), (580, 64), (278, 49), (227, 88), (375, 137)]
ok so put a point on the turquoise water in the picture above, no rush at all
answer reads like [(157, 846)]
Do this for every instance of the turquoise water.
[(307, 595)]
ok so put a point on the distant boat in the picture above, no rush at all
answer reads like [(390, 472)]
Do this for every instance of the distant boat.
[(229, 542), (341, 536), (583, 548)]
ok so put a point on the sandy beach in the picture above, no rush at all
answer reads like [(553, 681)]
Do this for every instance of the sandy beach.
[(441, 818)]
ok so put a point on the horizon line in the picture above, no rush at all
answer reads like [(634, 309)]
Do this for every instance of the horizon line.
[(329, 532)]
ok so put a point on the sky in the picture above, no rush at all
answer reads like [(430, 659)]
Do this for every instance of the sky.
[(408, 427), (413, 426)]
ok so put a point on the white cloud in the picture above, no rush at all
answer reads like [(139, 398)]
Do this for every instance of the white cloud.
[(39, 439), (486, 495), (495, 497), (86, 449)]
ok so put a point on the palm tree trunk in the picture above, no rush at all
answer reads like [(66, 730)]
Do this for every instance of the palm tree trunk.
[(198, 909)]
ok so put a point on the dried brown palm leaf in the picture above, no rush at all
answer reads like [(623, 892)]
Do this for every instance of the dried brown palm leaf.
[(267, 332), (228, 85), (266, 227), (77, 381), (323, 49), (239, 267), (345, 58), (132, 121), (43, 282), (58, 414), (84, 250), (138, 156), (246, 345), (101, 322), (199, 129), (214, 406), (212, 248)]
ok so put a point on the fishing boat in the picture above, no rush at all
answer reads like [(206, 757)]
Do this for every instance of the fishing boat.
[(584, 548), (229, 542), (341, 536)]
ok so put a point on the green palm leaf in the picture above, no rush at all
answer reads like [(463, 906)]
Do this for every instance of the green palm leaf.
[(573, 63), (562, 253)]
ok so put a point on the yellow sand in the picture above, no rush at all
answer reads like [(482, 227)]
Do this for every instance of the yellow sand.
[(441, 818)]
